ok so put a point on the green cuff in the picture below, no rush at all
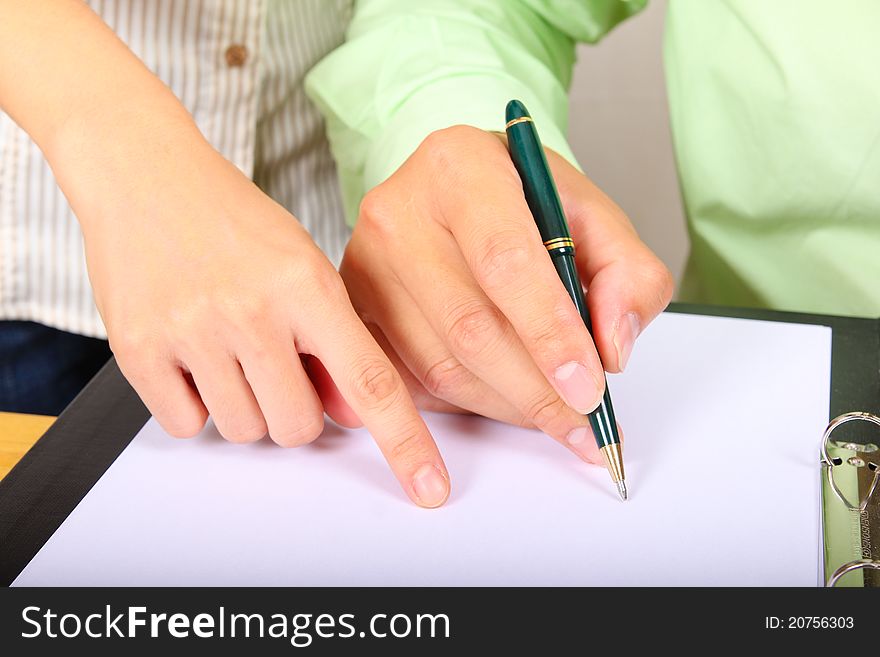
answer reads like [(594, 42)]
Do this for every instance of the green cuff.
[(475, 100)]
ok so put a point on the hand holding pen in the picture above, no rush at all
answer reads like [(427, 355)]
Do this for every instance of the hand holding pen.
[(447, 268), (530, 161)]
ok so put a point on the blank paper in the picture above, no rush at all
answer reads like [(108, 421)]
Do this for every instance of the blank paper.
[(722, 421)]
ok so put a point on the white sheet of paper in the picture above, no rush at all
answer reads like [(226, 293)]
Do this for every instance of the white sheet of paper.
[(722, 420)]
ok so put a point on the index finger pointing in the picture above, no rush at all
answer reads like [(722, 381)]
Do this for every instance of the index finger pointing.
[(377, 394)]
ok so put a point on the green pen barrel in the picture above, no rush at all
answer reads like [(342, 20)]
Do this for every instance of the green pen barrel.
[(602, 420), (531, 163), (542, 197)]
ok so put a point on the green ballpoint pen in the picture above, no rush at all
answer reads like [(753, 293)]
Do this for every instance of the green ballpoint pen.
[(541, 195)]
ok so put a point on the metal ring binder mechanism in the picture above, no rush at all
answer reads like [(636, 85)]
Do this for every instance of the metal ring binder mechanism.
[(866, 455)]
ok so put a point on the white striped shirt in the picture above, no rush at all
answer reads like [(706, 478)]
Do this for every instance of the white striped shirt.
[(238, 66)]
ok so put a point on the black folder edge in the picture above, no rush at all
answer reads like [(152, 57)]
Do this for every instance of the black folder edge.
[(60, 469)]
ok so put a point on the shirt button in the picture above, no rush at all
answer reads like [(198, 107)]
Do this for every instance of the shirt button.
[(236, 55)]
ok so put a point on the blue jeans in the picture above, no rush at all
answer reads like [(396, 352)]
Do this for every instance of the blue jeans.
[(42, 369)]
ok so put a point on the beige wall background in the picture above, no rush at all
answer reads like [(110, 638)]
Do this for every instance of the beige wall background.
[(619, 130)]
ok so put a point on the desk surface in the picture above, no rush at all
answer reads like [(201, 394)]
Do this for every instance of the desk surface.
[(18, 433)]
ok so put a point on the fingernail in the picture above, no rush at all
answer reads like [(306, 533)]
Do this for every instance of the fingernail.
[(577, 386), (579, 439), (430, 486), (625, 335)]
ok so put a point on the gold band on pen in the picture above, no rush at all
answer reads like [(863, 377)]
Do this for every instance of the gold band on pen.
[(521, 119), (559, 243)]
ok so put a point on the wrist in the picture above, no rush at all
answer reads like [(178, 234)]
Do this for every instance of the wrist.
[(105, 156)]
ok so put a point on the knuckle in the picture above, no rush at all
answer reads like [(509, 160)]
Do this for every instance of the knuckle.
[(128, 342), (544, 409), (660, 280), (375, 204), (445, 377), (443, 147), (409, 447), (240, 431), (376, 385), (473, 327), (143, 369), (437, 144), (323, 282), (667, 287), (303, 434), (557, 334), (181, 426), (309, 261), (503, 260), (548, 333), (460, 131), (377, 212)]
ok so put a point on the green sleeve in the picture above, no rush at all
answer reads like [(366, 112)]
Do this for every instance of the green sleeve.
[(410, 67)]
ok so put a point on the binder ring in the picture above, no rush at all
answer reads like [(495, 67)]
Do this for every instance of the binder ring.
[(861, 564), (829, 462)]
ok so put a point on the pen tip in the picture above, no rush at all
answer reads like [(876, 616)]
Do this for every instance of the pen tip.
[(621, 488)]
